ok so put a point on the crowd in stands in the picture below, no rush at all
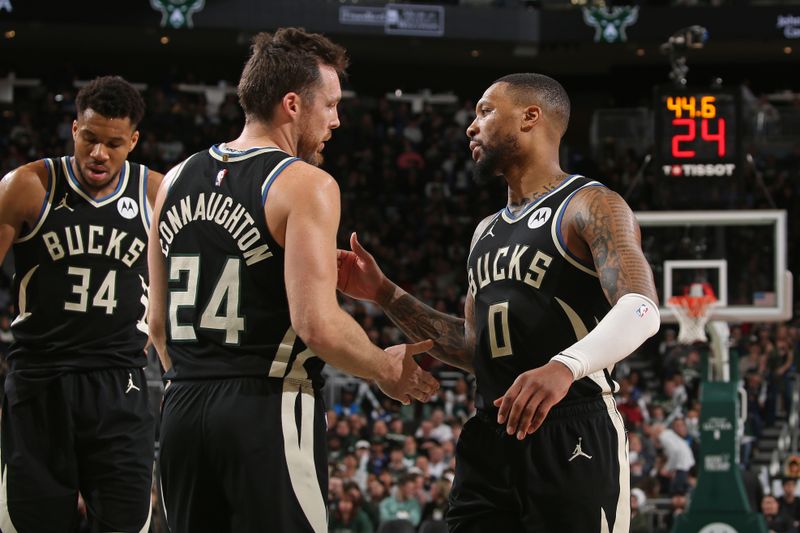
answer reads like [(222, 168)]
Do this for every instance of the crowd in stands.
[(407, 191)]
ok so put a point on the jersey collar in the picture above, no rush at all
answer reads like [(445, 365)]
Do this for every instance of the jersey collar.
[(227, 155), (122, 183), (509, 217)]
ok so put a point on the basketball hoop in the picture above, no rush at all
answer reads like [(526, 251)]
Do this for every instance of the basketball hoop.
[(693, 311)]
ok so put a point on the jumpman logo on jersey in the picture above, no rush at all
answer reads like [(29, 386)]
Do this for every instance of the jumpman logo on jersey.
[(578, 451), (491, 231), (131, 386), (63, 203)]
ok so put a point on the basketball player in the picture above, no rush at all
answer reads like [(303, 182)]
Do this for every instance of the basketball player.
[(75, 410), (243, 260), (559, 291)]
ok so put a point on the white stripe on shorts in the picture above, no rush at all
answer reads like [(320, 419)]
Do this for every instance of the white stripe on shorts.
[(299, 450), (5, 517), (622, 521)]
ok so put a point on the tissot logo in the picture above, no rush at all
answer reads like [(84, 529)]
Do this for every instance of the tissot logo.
[(719, 169), (539, 217), (127, 208)]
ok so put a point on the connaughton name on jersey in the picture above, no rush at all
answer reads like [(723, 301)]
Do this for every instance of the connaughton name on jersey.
[(220, 209)]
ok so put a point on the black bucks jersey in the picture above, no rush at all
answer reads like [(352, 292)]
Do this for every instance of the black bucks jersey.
[(81, 275), (532, 297), (228, 314)]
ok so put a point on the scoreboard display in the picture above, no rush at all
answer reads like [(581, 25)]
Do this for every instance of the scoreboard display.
[(697, 132)]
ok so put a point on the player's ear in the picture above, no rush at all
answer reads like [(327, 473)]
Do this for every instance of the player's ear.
[(134, 140), (531, 115), (291, 103)]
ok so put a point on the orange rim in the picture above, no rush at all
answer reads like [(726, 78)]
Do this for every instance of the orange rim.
[(695, 306)]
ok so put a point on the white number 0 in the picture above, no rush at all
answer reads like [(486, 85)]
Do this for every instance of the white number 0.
[(504, 349)]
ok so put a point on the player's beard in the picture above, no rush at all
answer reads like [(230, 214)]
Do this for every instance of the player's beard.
[(494, 159), (311, 156), (308, 149)]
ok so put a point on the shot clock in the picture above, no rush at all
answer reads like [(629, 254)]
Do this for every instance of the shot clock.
[(697, 132)]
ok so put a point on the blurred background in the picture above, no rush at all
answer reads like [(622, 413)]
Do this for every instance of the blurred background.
[(402, 162)]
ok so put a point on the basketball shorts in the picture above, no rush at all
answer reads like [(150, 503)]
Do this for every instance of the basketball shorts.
[(571, 475), (244, 454), (65, 432)]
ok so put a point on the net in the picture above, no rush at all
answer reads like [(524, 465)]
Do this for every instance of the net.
[(693, 310)]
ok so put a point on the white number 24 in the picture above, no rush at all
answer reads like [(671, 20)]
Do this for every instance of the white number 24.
[(226, 294)]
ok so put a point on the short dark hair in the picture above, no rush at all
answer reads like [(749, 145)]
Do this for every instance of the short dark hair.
[(544, 91), (112, 97), (283, 62)]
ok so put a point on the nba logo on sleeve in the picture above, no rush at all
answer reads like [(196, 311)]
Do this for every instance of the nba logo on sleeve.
[(127, 208), (642, 310)]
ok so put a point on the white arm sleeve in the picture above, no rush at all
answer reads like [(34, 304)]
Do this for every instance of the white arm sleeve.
[(633, 320)]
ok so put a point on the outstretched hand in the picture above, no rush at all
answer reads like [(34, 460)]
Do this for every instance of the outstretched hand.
[(409, 381), (529, 399), (359, 276)]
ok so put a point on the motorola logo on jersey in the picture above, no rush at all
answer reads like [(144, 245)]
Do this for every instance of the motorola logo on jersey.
[(539, 217), (127, 208)]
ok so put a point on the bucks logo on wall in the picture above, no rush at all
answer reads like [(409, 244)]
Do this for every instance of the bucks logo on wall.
[(177, 13), (609, 23)]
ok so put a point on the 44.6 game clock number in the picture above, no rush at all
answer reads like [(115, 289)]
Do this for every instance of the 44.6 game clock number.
[(697, 132)]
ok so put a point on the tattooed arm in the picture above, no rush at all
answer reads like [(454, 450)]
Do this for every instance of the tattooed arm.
[(600, 228), (454, 338)]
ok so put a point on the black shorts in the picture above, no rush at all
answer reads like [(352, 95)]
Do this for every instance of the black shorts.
[(80, 431), (244, 455), (571, 475)]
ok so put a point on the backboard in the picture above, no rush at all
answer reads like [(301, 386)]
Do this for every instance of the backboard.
[(741, 254)]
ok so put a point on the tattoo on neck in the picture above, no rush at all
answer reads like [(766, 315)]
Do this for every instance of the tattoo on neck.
[(517, 206)]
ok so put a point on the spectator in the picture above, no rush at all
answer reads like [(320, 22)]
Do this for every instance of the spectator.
[(352, 471), (335, 488), (756, 396), (641, 521), (789, 502), (678, 455), (397, 465), (344, 434), (346, 406), (377, 456), (456, 400), (349, 518), (436, 461), (440, 431), (436, 508), (777, 522), (371, 505), (628, 406), (402, 505), (410, 451)]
